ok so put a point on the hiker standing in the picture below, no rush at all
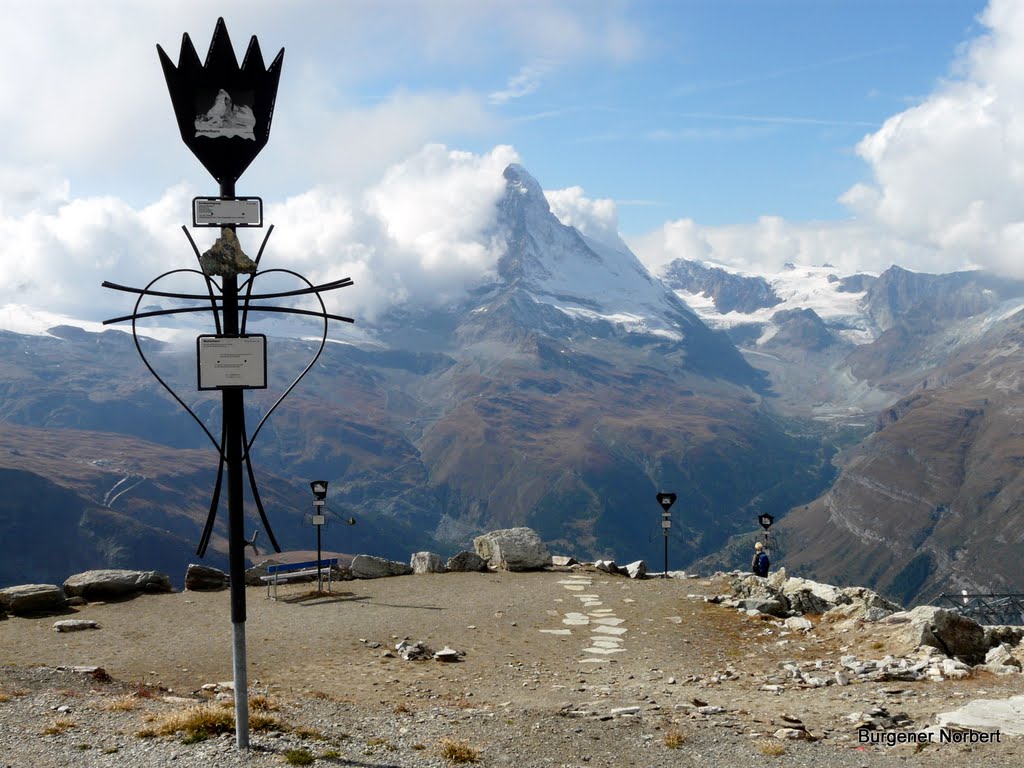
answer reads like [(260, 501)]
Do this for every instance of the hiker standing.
[(759, 565)]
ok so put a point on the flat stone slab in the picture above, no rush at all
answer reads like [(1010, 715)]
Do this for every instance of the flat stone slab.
[(1004, 715), (574, 587), (108, 583), (32, 598), (610, 630), (611, 621), (74, 625), (604, 650)]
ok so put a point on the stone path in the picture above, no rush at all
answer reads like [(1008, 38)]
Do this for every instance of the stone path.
[(606, 630)]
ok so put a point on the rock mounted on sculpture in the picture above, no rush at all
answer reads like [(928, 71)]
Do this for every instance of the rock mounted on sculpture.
[(226, 257)]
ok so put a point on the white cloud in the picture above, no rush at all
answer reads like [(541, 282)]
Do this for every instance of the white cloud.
[(421, 236), (948, 173), (525, 82), (83, 91), (770, 243), (596, 218)]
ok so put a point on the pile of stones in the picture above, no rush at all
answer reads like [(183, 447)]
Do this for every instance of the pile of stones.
[(930, 643)]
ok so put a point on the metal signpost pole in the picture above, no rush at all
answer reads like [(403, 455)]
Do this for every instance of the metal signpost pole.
[(319, 576), (234, 416), (319, 488), (665, 536), (666, 500)]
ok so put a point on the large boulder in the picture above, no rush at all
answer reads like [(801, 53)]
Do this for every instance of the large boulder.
[(466, 562), (32, 598), (766, 605), (112, 584), (951, 633), (806, 596), (750, 586), (864, 606), (370, 567), (513, 549), (636, 570), (205, 578), (427, 562)]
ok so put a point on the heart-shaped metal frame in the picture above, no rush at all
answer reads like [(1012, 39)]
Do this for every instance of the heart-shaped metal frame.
[(211, 297)]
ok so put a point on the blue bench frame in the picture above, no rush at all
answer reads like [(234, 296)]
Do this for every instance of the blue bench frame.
[(287, 571)]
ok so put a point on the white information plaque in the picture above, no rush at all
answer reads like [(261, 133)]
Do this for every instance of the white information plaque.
[(232, 362), (224, 211)]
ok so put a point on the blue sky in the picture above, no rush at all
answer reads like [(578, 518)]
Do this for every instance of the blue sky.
[(746, 132), (733, 110)]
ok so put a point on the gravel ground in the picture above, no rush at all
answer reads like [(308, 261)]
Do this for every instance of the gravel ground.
[(679, 687)]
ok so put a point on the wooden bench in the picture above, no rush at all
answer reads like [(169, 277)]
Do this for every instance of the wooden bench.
[(288, 571)]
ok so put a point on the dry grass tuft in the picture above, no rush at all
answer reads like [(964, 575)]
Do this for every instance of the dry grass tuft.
[(675, 738), (308, 732), (262, 703), (59, 725), (401, 708), (298, 757), (5, 697), (124, 703), (205, 720), (455, 751), (770, 748)]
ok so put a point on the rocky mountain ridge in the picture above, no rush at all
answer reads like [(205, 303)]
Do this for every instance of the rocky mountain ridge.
[(562, 393)]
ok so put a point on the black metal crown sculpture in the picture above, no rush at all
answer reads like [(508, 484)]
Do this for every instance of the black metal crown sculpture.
[(223, 110), (224, 113)]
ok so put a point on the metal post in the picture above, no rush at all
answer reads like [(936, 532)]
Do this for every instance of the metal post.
[(665, 576), (234, 417), (319, 578)]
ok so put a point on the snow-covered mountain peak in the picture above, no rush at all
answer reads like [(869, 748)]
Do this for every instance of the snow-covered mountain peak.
[(581, 277), (520, 180)]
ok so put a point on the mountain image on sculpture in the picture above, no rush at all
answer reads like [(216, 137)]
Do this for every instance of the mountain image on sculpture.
[(227, 117)]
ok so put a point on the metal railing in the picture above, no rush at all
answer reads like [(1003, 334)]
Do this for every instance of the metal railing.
[(987, 608)]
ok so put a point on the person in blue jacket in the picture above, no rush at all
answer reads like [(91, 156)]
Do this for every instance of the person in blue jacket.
[(760, 564)]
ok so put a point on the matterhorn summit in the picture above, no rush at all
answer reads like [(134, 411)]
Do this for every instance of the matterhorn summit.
[(557, 282), (590, 282)]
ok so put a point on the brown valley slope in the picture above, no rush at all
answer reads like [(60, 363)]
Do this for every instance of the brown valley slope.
[(931, 501)]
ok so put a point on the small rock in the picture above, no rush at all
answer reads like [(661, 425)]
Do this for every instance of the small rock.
[(74, 625), (619, 711), (792, 733)]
